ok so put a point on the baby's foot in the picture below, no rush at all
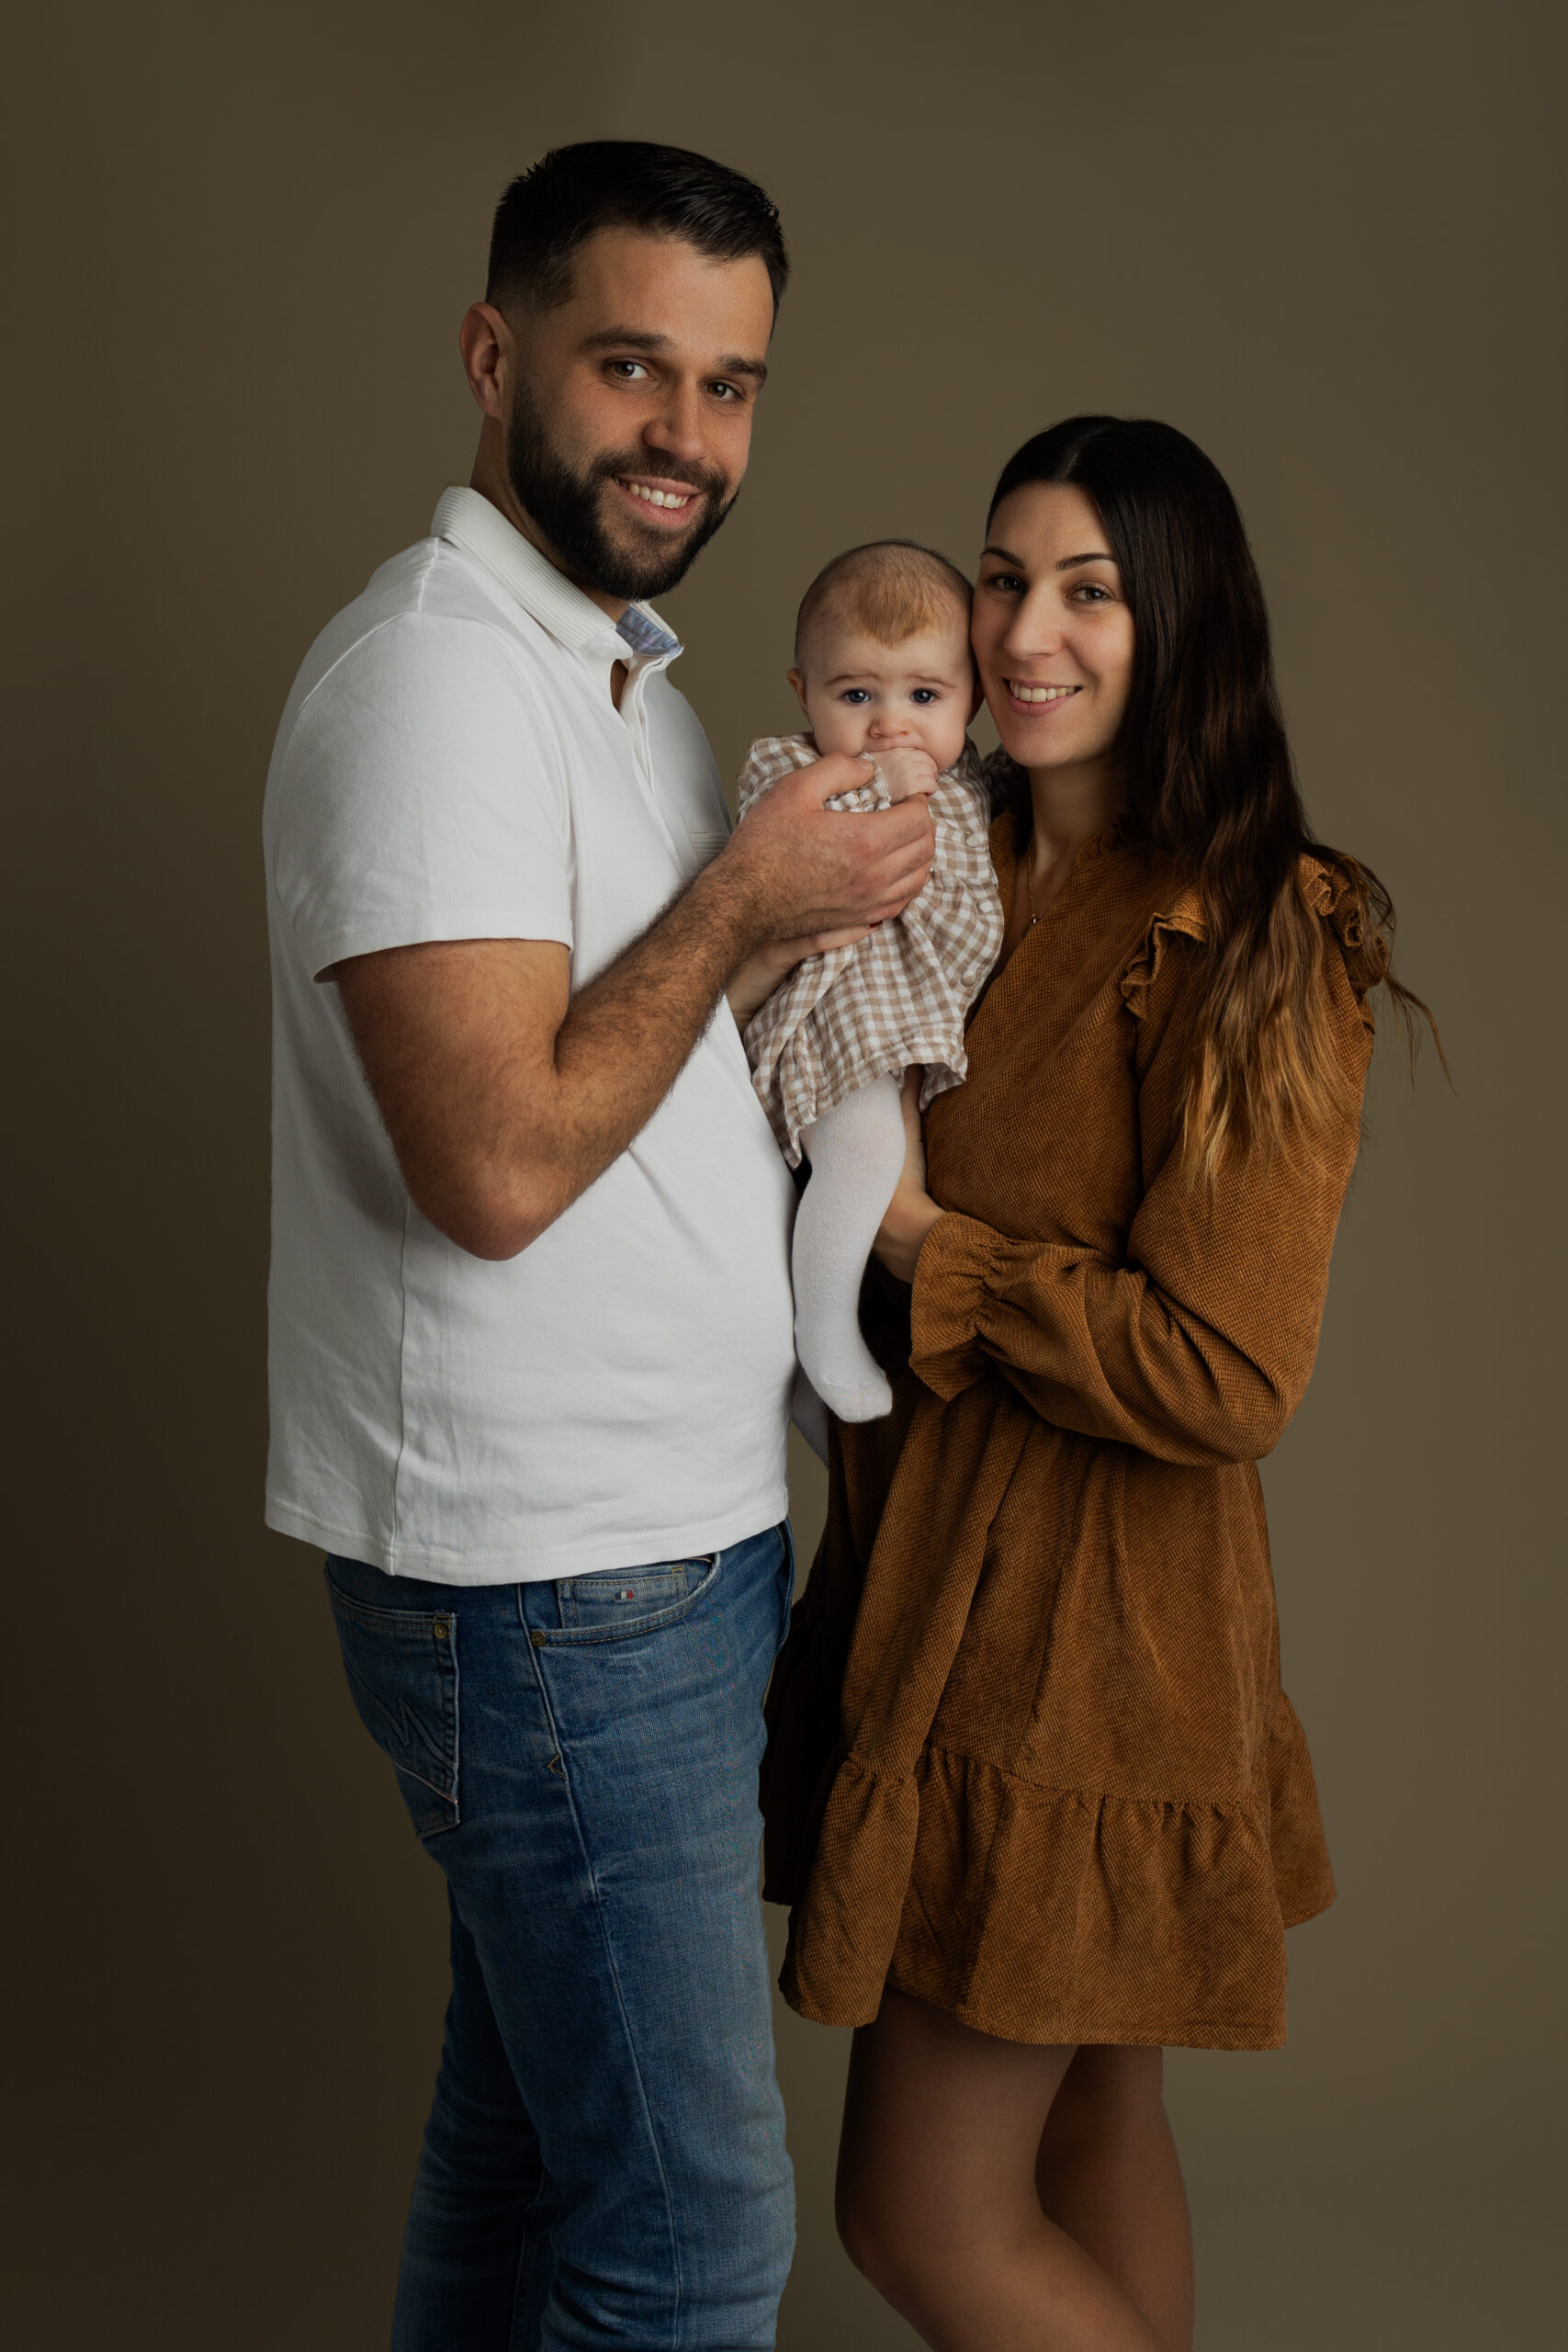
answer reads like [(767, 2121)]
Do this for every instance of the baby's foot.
[(854, 1400)]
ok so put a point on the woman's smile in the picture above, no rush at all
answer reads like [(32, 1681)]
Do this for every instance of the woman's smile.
[(1036, 700)]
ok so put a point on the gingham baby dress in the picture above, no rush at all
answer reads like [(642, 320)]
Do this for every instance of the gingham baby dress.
[(898, 998)]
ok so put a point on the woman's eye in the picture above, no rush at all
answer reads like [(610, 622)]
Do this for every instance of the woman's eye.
[(1091, 592), (1007, 583)]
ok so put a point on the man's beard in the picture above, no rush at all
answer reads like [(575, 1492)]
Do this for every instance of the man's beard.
[(567, 506)]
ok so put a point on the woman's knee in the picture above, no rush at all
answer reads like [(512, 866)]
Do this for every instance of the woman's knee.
[(883, 2250), (860, 2232)]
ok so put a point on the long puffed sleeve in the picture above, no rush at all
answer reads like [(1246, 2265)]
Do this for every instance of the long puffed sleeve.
[(1197, 1346)]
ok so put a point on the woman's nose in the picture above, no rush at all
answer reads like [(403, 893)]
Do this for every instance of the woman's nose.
[(1035, 628)]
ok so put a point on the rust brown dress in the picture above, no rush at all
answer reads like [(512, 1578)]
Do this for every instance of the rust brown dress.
[(1029, 1757)]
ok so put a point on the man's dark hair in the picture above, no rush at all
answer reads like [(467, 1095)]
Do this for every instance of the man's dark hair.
[(572, 192)]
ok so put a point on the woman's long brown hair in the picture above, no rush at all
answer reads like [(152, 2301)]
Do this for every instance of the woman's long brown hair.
[(1211, 784)]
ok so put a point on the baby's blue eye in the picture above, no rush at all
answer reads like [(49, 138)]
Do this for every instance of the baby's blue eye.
[(854, 694), (924, 693)]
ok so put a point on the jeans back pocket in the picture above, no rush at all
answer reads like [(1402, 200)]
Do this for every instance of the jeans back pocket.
[(402, 1665)]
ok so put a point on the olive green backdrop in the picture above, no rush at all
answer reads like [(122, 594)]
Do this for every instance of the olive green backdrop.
[(1320, 238)]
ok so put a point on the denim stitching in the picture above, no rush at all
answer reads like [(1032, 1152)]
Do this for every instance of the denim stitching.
[(535, 1654)]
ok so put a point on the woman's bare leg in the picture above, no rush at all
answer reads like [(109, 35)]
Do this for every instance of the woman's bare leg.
[(1108, 2175), (937, 2197)]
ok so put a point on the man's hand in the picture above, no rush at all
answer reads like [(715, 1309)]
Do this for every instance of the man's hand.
[(800, 868)]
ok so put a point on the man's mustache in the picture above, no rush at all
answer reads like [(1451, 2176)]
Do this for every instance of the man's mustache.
[(635, 461)]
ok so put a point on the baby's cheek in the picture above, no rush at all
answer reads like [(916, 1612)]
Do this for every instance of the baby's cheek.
[(943, 739), (839, 728)]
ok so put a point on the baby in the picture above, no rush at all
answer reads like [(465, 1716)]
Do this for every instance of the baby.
[(882, 668)]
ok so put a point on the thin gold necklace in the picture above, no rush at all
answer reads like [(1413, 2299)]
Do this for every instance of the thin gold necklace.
[(1029, 889)]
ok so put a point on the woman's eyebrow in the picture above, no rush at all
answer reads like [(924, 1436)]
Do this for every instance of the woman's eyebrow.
[(1067, 563)]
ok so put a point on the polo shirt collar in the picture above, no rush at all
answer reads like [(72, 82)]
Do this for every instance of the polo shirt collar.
[(467, 517)]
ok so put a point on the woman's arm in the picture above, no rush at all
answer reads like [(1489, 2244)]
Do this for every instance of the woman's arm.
[(911, 1213), (1198, 1347), (771, 965)]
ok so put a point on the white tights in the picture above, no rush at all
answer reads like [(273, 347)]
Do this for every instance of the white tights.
[(856, 1152)]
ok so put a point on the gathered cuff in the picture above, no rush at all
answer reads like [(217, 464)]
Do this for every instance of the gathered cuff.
[(952, 1276)]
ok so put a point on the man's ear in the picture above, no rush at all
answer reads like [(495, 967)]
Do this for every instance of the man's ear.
[(487, 345), (797, 680)]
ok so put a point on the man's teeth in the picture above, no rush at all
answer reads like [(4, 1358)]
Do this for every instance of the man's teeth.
[(659, 497), (1039, 694)]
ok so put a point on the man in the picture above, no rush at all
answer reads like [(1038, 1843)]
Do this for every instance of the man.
[(530, 1302)]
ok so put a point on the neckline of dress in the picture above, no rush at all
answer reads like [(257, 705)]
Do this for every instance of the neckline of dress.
[(1111, 836)]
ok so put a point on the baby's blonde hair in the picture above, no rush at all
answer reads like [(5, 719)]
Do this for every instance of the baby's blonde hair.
[(888, 590)]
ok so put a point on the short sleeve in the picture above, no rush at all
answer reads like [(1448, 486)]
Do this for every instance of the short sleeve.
[(421, 795)]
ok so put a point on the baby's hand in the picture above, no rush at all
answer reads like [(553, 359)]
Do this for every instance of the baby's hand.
[(909, 774)]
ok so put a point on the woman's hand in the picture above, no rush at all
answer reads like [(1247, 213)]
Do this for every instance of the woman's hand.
[(773, 962), (911, 1213)]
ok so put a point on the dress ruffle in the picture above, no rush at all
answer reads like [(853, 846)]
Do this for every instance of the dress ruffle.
[(1047, 1916), (1183, 919), (1335, 889)]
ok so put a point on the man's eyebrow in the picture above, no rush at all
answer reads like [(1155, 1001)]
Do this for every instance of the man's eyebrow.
[(627, 339), (644, 339)]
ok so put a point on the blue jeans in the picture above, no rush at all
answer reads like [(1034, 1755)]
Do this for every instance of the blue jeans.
[(605, 2159)]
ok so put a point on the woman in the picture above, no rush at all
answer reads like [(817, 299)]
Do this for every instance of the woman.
[(1032, 1789)]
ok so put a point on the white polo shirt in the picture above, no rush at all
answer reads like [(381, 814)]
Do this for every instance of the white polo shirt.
[(451, 766)]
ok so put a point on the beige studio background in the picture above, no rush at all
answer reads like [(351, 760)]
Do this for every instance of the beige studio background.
[(1320, 238)]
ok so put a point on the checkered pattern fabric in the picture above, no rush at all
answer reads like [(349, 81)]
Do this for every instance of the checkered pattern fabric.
[(901, 996)]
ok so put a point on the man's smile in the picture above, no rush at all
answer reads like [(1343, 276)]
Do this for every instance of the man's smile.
[(659, 501)]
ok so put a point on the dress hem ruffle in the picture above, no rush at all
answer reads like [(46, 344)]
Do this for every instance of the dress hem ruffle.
[(1048, 1915)]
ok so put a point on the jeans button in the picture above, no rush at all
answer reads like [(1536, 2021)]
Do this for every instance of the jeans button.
[(538, 1637)]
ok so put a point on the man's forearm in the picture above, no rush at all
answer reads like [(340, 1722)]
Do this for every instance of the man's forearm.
[(505, 1096), (629, 1034)]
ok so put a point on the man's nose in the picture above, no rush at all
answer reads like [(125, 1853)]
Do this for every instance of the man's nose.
[(677, 427)]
